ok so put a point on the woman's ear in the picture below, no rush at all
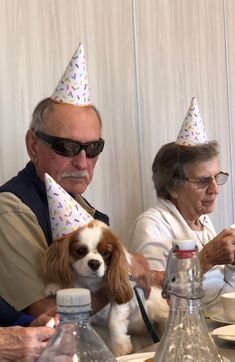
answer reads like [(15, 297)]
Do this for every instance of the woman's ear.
[(174, 193), (31, 145)]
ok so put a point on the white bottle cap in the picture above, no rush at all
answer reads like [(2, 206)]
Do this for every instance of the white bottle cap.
[(73, 300), (189, 244)]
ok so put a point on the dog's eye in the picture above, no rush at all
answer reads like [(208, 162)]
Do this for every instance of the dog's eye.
[(105, 253), (80, 251)]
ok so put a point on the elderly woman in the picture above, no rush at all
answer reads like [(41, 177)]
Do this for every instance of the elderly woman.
[(187, 179)]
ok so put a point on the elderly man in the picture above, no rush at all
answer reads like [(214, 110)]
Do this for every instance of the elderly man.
[(24, 218), (64, 140)]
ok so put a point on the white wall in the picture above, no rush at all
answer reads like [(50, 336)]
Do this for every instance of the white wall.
[(146, 59)]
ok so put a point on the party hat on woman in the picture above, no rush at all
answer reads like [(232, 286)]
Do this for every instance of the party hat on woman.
[(73, 87), (66, 214), (192, 131)]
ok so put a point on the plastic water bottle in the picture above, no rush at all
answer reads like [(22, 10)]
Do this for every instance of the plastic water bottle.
[(75, 340), (186, 337)]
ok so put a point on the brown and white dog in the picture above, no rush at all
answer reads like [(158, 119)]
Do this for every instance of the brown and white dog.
[(92, 257)]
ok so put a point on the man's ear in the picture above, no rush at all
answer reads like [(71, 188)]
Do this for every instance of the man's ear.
[(31, 145)]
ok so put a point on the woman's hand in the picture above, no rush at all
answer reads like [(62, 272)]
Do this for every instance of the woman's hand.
[(219, 251)]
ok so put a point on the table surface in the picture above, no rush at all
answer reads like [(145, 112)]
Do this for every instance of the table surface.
[(225, 348)]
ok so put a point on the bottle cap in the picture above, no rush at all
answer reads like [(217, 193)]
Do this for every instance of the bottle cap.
[(189, 244), (73, 300)]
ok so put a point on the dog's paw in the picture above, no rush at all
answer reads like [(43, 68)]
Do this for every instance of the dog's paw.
[(121, 346), (51, 289)]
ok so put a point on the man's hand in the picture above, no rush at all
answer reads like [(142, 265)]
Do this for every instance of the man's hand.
[(42, 320), (144, 276), (23, 344), (219, 251)]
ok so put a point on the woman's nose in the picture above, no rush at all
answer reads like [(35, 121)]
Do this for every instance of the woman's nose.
[(213, 187)]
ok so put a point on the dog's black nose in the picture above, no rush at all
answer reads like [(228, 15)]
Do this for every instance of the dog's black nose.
[(94, 264)]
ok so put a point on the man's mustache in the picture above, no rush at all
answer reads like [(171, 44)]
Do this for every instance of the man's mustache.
[(76, 174)]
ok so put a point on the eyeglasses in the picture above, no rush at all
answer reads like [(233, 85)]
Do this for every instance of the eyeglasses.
[(69, 148), (202, 182)]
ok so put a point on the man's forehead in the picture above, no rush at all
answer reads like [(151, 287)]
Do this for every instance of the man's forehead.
[(67, 109), (62, 115)]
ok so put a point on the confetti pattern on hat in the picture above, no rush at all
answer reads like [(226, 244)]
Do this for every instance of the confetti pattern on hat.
[(65, 213), (192, 131), (73, 88)]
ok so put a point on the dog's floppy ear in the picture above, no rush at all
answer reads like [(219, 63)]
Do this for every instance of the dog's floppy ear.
[(56, 266), (118, 273)]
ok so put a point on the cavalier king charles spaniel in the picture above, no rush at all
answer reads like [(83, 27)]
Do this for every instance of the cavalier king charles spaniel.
[(92, 257)]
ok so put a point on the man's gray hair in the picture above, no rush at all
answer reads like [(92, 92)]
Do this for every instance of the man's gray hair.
[(43, 108)]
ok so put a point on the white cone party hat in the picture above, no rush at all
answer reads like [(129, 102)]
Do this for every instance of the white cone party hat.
[(192, 131), (73, 88), (65, 213)]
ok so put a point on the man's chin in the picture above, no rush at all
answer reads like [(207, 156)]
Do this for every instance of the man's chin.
[(75, 186)]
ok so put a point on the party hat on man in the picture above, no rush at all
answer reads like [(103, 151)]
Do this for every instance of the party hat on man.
[(66, 214), (192, 131), (73, 87)]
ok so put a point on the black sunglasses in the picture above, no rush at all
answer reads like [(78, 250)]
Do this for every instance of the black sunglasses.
[(69, 148)]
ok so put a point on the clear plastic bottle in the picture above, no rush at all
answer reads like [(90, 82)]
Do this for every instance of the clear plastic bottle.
[(186, 337), (75, 340)]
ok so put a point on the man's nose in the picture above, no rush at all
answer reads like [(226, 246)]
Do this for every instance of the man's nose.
[(80, 160)]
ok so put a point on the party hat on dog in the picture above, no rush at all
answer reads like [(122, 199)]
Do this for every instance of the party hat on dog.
[(66, 214), (192, 131), (73, 88)]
